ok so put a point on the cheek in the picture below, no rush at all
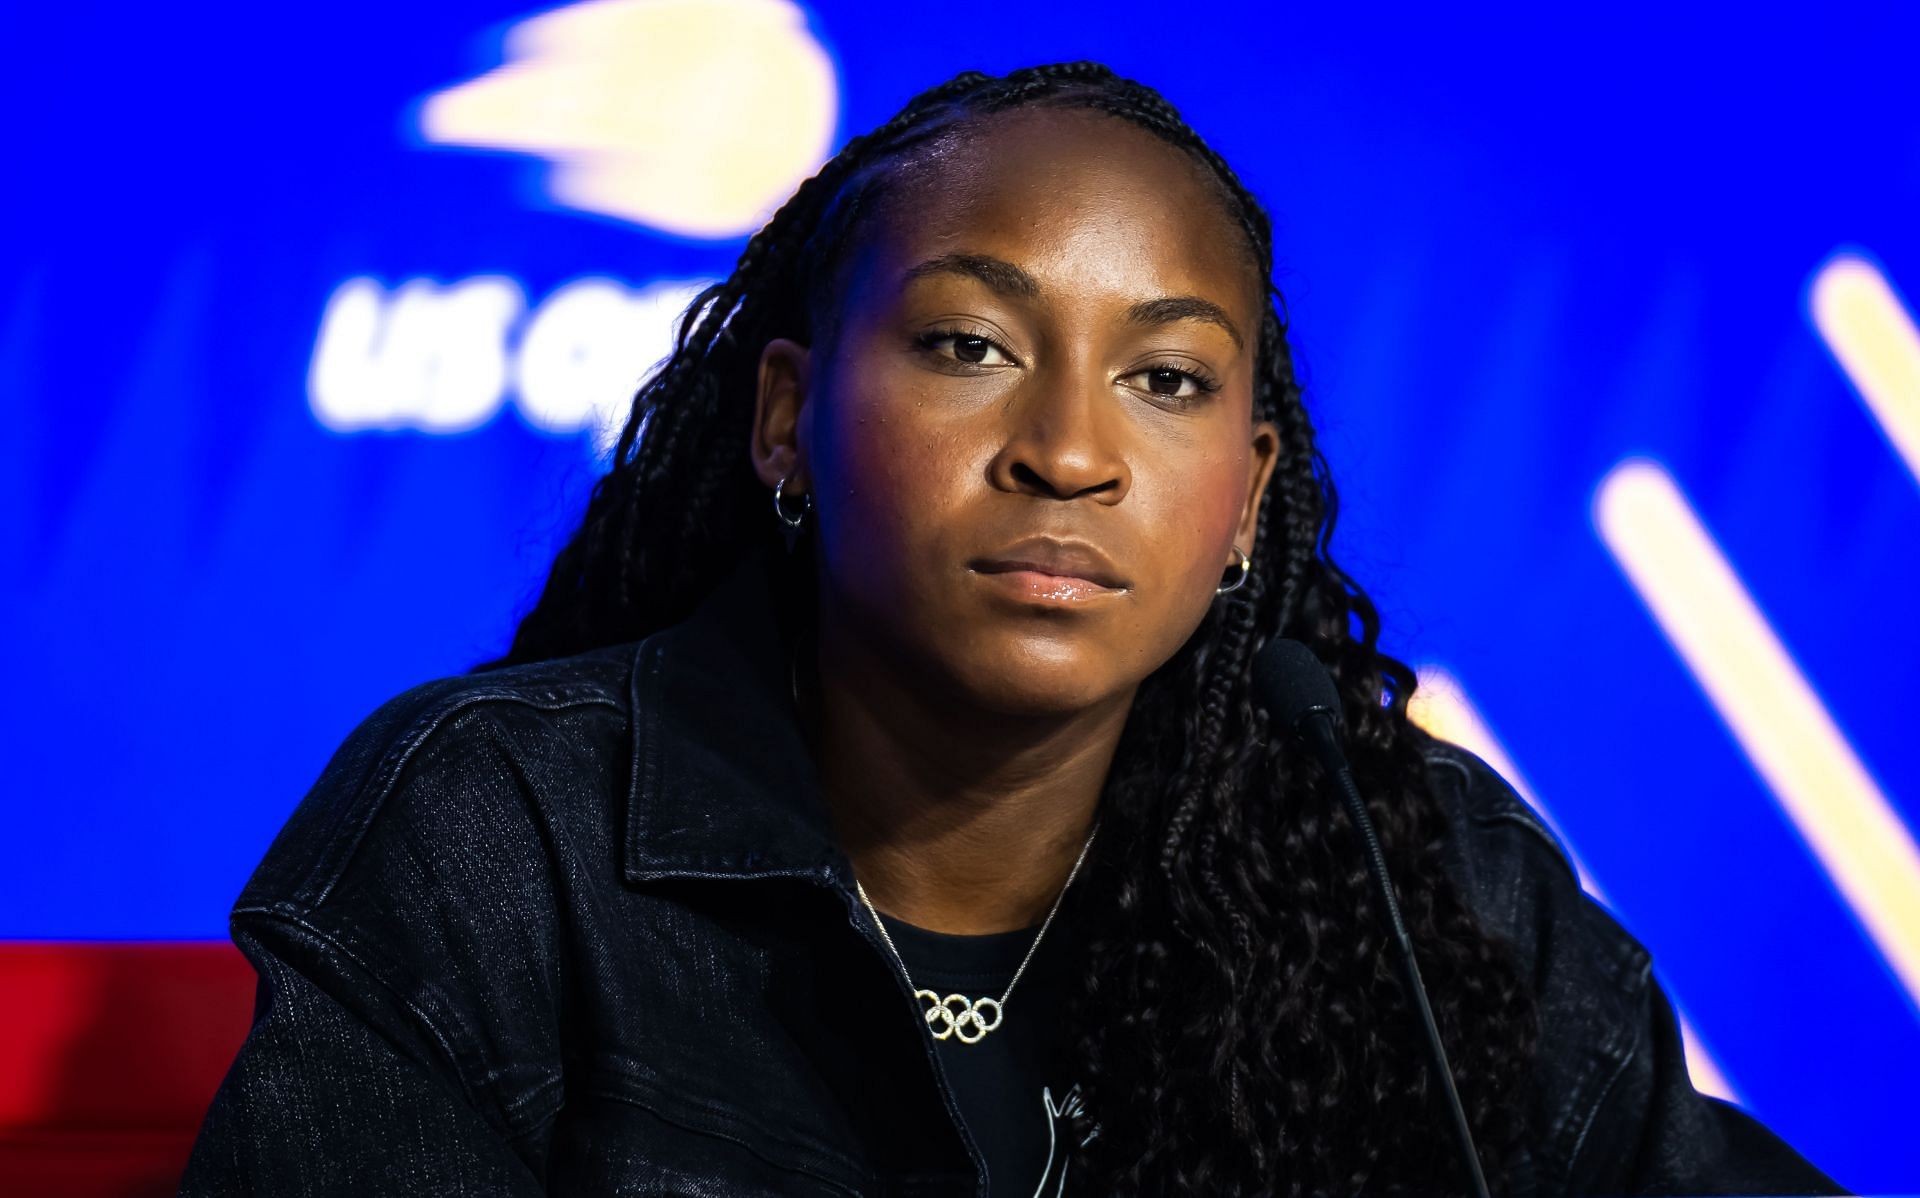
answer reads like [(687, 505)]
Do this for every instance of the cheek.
[(1197, 501), (887, 475)]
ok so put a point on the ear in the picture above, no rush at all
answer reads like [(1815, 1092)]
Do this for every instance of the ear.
[(779, 443), (1260, 462)]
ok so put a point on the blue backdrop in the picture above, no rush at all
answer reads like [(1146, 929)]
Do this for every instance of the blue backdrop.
[(307, 319)]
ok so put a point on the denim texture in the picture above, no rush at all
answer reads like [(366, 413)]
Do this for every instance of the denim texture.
[(580, 926)]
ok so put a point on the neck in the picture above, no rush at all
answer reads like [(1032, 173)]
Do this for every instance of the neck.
[(956, 819)]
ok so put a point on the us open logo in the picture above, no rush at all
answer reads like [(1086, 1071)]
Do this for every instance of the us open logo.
[(598, 90)]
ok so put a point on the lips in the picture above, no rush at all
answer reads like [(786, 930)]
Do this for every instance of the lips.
[(1064, 559)]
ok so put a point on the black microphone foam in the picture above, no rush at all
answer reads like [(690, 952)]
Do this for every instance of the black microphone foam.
[(1292, 683)]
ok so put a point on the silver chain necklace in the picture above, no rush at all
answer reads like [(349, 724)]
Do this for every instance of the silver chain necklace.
[(970, 1019), (956, 1015)]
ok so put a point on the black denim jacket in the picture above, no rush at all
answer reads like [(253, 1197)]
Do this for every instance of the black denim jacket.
[(580, 926)]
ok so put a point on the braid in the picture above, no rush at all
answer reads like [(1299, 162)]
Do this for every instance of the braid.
[(1227, 929)]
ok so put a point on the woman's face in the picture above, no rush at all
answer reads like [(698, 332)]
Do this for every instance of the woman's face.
[(1030, 442)]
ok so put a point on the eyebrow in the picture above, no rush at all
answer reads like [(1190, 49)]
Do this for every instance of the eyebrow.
[(1184, 307), (997, 273), (1005, 278)]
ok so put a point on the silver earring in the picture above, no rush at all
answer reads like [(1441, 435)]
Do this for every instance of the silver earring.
[(1239, 580), (791, 519)]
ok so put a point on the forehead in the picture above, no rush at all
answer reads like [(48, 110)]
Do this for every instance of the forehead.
[(1074, 196)]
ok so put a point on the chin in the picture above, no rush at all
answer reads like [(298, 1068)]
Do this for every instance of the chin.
[(1040, 677)]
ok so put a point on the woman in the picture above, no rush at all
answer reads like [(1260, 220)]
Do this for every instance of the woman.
[(875, 800)]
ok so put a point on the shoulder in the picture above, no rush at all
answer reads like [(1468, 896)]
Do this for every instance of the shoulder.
[(446, 760), (1514, 871), (420, 885), (1592, 981), (1492, 824)]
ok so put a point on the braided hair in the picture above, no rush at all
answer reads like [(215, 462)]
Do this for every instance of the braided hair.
[(1235, 1023)]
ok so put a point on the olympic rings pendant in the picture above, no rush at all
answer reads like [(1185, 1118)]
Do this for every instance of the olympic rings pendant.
[(958, 1015)]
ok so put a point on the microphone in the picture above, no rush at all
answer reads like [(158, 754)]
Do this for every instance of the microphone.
[(1300, 697)]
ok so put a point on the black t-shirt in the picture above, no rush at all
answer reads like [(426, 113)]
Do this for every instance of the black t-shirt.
[(1011, 1084)]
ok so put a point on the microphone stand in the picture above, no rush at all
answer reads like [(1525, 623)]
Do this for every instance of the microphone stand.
[(1316, 726)]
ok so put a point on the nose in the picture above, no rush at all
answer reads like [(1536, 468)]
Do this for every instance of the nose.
[(1063, 439)]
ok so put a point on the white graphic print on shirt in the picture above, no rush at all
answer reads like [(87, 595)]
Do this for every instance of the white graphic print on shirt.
[(1053, 1182)]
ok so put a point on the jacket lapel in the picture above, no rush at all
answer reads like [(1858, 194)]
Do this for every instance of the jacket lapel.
[(722, 784)]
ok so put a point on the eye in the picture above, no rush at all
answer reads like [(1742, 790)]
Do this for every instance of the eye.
[(1172, 382), (970, 349)]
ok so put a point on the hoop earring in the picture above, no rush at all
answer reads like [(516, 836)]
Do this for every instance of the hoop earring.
[(780, 508), (1240, 579), (792, 520)]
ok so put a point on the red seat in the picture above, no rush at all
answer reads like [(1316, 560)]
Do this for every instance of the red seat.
[(110, 1052)]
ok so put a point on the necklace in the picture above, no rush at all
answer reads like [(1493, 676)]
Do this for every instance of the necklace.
[(956, 1015), (970, 1019)]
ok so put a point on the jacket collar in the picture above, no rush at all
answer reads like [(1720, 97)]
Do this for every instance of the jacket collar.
[(722, 782)]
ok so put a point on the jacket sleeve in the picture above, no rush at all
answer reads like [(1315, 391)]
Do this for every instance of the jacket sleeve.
[(1614, 1110), (402, 927), (333, 1095), (1653, 1133)]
